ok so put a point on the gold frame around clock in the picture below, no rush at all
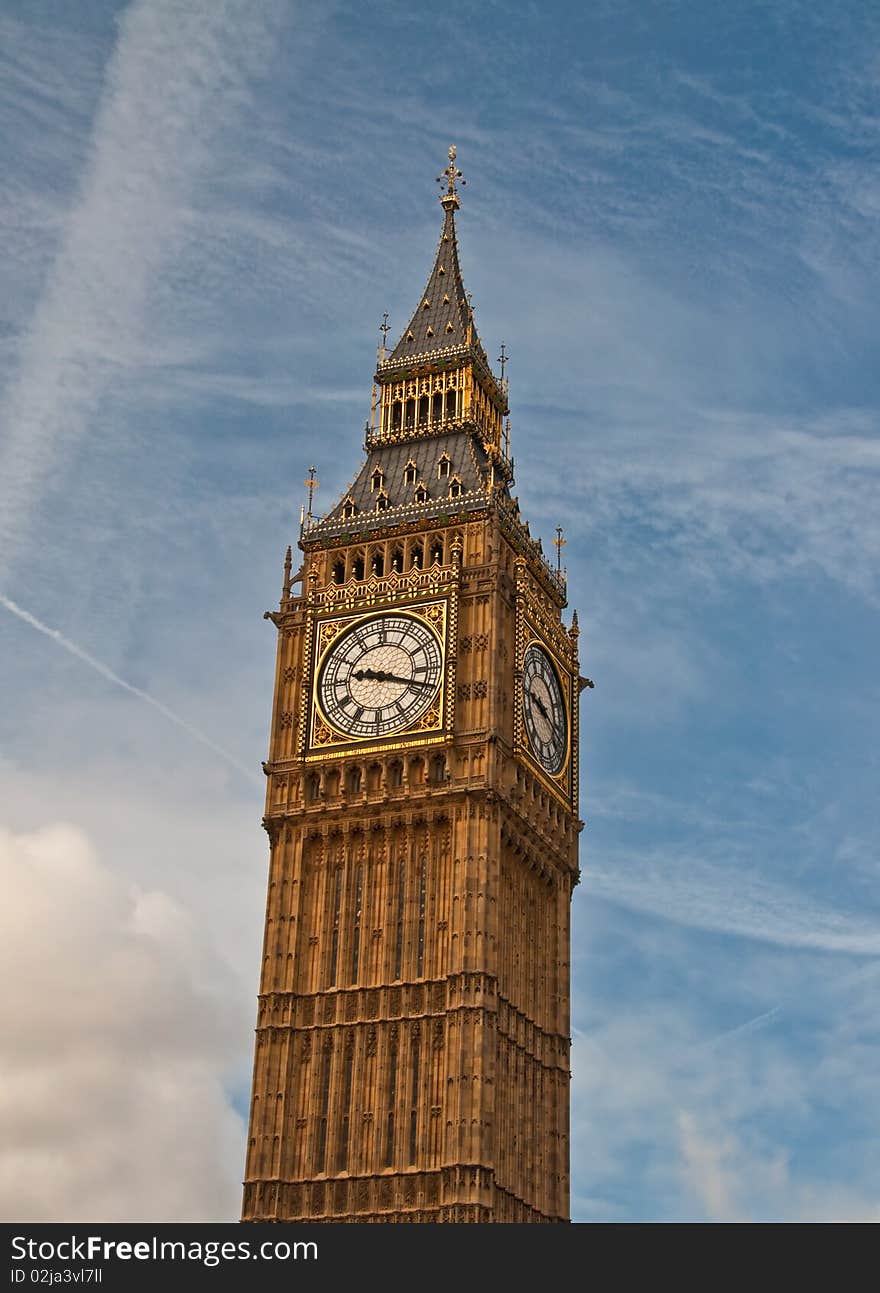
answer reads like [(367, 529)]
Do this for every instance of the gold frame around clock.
[(324, 740), (562, 783)]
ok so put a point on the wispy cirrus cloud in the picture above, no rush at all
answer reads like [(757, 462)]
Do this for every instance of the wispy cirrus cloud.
[(105, 672), (174, 78), (689, 890)]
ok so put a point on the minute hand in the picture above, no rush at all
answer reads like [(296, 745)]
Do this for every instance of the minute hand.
[(379, 675)]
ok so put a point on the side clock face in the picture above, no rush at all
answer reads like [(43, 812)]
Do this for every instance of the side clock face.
[(380, 676), (546, 720)]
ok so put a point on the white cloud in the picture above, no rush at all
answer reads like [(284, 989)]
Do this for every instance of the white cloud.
[(705, 1170), (666, 1128), (731, 1183), (118, 1025)]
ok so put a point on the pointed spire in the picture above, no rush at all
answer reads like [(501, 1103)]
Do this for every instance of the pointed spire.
[(443, 317)]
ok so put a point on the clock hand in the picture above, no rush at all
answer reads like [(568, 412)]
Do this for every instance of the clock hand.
[(379, 675), (541, 706)]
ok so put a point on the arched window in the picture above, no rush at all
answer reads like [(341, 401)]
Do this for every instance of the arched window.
[(437, 407), (395, 774), (397, 560), (392, 1101), (423, 903), (454, 487), (342, 1147), (356, 924), (414, 1058), (409, 472), (444, 467), (377, 566), (437, 552), (381, 502), (313, 788), (410, 413), (401, 908), (357, 568), (334, 940), (321, 1146), (349, 507), (438, 769), (421, 494), (396, 415), (423, 410), (339, 572), (376, 479), (416, 772), (450, 403), (353, 781), (417, 557)]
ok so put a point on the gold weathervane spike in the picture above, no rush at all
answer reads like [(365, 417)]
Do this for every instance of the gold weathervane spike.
[(449, 200)]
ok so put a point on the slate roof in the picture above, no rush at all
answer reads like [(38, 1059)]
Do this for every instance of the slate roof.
[(468, 465), (443, 317)]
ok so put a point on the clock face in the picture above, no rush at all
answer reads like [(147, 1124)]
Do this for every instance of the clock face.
[(380, 676), (546, 720)]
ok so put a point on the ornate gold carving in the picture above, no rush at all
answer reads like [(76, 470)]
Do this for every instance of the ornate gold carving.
[(390, 588), (329, 630), (322, 735), (429, 721), (434, 614)]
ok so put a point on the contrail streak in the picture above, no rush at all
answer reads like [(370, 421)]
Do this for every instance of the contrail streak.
[(108, 673), (750, 1026)]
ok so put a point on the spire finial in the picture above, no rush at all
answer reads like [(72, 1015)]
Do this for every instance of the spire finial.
[(559, 543), (384, 328), (449, 200), (288, 580), (311, 483)]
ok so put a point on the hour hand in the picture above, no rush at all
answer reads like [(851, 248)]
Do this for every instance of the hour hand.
[(542, 708)]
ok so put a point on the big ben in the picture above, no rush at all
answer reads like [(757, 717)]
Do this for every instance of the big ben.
[(412, 1042)]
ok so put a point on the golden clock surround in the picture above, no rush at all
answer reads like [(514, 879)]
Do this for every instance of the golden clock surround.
[(321, 740), (562, 784)]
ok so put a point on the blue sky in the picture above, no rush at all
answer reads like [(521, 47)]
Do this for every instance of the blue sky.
[(671, 221)]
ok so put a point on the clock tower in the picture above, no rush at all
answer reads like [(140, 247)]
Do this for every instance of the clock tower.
[(412, 1042)]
